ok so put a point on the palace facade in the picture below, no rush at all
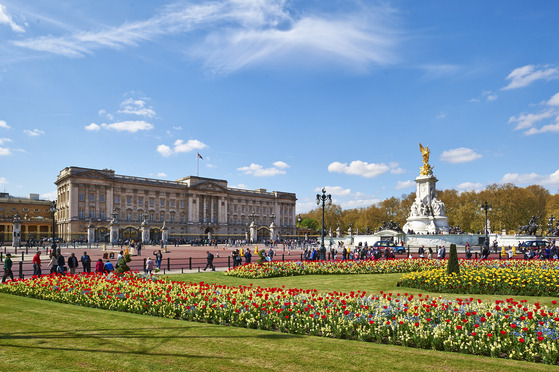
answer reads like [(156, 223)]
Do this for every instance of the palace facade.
[(33, 213), (191, 208)]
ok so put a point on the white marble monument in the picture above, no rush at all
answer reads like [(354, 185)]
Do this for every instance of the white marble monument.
[(427, 214)]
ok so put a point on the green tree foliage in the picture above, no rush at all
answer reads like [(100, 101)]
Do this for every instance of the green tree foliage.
[(512, 207), (453, 266)]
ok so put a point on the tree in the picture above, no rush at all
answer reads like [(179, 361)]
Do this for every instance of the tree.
[(453, 266)]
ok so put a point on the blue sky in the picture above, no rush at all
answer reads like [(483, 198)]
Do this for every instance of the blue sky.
[(282, 95)]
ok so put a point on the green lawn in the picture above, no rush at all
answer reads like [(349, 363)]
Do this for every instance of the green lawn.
[(371, 283), (41, 335)]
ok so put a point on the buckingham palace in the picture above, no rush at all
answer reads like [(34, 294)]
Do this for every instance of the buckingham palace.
[(100, 205)]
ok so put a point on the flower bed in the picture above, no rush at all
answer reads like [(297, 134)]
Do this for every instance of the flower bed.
[(292, 268), (518, 278), (512, 329)]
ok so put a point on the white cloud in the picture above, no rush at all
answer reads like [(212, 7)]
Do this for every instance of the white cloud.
[(395, 169), (547, 180), (177, 128), (34, 132), (281, 165), (334, 190), (4, 140), (92, 127), (359, 168), (4, 151), (554, 101), (164, 150), (459, 155), (357, 203), (49, 195), (524, 121), (161, 175), (405, 184), (4, 125), (441, 115), (526, 75), (492, 97), (258, 170), (239, 186), (469, 186), (3, 181), (104, 113), (180, 146), (245, 33), (553, 128), (138, 107), (7, 19), (123, 126)]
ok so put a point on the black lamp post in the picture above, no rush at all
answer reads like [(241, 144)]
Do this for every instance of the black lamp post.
[(53, 211), (487, 208), (323, 199), (298, 228)]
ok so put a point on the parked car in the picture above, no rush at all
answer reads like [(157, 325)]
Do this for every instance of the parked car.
[(387, 244), (534, 245)]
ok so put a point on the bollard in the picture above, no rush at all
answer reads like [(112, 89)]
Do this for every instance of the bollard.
[(145, 259), (15, 252), (21, 269), (22, 256), (26, 250), (182, 270), (283, 257), (189, 263), (475, 254), (228, 262), (1, 257), (169, 263)]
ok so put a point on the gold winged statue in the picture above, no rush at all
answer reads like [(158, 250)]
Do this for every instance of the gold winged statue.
[(426, 169)]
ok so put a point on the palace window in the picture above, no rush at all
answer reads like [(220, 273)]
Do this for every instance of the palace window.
[(182, 218), (102, 198), (172, 204), (102, 215), (81, 196), (91, 213), (117, 199), (162, 203), (151, 203), (129, 200), (172, 218), (182, 204), (91, 197), (81, 214), (140, 200)]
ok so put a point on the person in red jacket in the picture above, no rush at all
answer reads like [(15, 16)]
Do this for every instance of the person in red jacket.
[(99, 266), (37, 264)]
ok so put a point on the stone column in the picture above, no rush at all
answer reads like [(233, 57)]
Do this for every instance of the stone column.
[(16, 236), (252, 232), (145, 231), (90, 233), (273, 231)]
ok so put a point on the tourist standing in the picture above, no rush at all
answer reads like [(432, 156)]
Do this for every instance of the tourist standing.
[(52, 263), (72, 263), (421, 252), (139, 248), (86, 263), (109, 268), (37, 264), (8, 268), (158, 258), (248, 256), (149, 265), (99, 266)]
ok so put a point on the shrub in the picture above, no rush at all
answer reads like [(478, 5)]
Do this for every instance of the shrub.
[(453, 265)]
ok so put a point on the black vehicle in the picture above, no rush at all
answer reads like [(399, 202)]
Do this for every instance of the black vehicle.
[(534, 245), (387, 244)]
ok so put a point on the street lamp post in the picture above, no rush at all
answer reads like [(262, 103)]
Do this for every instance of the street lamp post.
[(323, 199), (487, 208), (550, 225), (53, 211), (298, 229)]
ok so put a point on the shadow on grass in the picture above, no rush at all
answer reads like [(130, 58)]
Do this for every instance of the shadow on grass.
[(127, 333)]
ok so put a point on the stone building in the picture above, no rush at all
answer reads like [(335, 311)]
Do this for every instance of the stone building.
[(191, 208), (34, 216)]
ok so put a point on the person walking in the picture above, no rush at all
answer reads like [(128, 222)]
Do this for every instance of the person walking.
[(8, 268), (37, 264), (158, 258), (60, 263), (52, 263), (86, 263), (149, 265), (139, 248), (209, 261), (72, 263)]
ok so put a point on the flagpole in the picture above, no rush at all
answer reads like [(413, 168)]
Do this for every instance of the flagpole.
[(197, 164)]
